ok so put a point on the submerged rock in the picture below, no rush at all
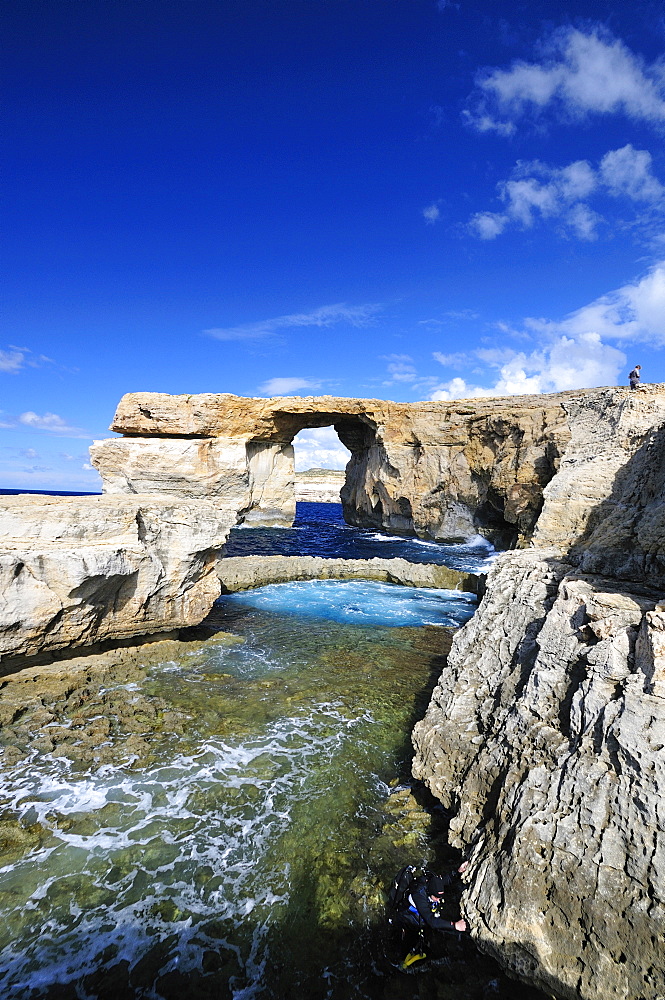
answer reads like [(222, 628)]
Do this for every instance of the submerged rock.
[(245, 572)]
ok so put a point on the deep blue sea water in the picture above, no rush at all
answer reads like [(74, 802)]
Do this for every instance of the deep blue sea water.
[(320, 530), (46, 493)]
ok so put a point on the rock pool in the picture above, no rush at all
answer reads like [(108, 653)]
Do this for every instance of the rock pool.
[(224, 823)]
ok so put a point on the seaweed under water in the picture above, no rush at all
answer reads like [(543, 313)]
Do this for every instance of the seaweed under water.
[(225, 824)]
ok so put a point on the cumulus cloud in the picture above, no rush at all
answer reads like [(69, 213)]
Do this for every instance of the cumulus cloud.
[(565, 363), (286, 386), (627, 171), (432, 214), (538, 191), (580, 73), (49, 422), (573, 352), (325, 316), (635, 312), (319, 448)]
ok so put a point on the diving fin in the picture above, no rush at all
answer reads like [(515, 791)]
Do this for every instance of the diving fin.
[(412, 958)]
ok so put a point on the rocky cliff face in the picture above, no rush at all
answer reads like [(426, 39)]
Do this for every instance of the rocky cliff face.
[(319, 485), (439, 470), (78, 571), (546, 732)]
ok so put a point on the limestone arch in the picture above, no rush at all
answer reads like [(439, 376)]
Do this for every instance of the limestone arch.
[(365, 501)]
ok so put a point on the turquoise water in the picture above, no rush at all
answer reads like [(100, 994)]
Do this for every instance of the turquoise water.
[(224, 823), (361, 602)]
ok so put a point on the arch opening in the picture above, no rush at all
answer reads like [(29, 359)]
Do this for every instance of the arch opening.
[(365, 500)]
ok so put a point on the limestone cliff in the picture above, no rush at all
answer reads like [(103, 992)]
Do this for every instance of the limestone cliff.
[(439, 470), (545, 734), (78, 571)]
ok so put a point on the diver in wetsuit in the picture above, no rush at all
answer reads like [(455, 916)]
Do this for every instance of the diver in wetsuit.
[(416, 899)]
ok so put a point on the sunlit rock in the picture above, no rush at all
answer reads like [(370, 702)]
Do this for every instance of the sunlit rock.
[(76, 571), (438, 470), (545, 734)]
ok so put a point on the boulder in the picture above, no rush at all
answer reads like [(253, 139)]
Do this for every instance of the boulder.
[(77, 571)]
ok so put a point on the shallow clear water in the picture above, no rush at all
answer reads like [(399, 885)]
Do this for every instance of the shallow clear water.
[(319, 529), (224, 824)]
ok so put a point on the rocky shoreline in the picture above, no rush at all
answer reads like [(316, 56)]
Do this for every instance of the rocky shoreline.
[(545, 733), (319, 485), (244, 572)]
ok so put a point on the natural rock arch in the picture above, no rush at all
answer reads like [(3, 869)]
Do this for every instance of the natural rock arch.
[(438, 470)]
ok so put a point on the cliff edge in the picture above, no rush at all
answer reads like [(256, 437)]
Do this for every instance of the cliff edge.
[(545, 733)]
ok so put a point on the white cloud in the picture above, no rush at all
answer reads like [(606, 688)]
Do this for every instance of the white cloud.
[(564, 363), (432, 214), (627, 171), (451, 360), (583, 221), (319, 448), (49, 422), (400, 368), (538, 191), (285, 386), (572, 353), (325, 316), (580, 73), (635, 312), (488, 225), (12, 361)]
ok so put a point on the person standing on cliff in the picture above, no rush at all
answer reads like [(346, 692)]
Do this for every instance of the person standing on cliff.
[(634, 377)]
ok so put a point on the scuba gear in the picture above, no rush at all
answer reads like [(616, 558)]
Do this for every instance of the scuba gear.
[(414, 913), (411, 959)]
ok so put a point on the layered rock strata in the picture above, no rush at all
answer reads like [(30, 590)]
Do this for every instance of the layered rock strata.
[(546, 732), (439, 470), (319, 486), (245, 572), (78, 571)]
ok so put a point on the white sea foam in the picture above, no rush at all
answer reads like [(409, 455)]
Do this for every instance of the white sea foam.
[(162, 833), (360, 602)]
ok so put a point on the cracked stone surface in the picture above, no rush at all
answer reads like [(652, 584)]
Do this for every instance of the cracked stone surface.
[(546, 733)]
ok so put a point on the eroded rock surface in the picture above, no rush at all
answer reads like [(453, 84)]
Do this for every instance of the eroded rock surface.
[(546, 733), (76, 571), (439, 470), (245, 572)]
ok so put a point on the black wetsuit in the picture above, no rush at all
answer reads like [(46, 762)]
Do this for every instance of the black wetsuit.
[(420, 911)]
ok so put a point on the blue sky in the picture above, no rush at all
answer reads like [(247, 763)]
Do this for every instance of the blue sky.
[(404, 199)]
